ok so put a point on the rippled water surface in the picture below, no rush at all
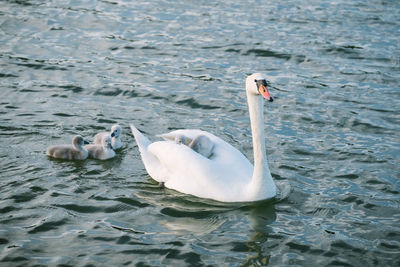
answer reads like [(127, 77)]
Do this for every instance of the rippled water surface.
[(69, 67)]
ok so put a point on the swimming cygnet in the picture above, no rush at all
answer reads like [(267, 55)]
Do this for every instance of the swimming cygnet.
[(115, 134), (76, 151), (103, 151), (201, 144)]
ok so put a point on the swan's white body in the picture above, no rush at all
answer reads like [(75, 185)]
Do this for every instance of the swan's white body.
[(115, 134), (227, 175)]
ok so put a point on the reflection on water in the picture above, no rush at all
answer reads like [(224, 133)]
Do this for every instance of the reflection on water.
[(77, 67)]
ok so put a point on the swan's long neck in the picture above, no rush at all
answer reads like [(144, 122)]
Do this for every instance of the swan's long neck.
[(261, 186)]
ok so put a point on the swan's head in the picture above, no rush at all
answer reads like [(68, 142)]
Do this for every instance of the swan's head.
[(256, 84), (116, 130), (78, 141), (106, 142)]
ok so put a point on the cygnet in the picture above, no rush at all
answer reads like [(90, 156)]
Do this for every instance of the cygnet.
[(181, 139), (201, 144), (115, 133), (103, 151), (76, 151)]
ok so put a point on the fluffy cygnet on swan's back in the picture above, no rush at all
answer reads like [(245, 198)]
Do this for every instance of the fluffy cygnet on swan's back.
[(201, 144), (76, 151), (103, 151), (115, 133)]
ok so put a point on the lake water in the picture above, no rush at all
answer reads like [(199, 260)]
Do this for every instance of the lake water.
[(333, 131)]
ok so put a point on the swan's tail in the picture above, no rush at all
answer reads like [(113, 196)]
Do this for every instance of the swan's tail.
[(142, 141), (151, 163)]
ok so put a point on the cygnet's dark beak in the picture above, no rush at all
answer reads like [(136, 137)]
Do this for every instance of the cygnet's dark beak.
[(113, 134), (85, 142)]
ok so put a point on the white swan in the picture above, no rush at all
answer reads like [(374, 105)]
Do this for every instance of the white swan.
[(115, 133), (76, 151), (227, 176), (103, 151)]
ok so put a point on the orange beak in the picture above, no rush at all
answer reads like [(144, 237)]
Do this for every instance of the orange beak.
[(264, 92)]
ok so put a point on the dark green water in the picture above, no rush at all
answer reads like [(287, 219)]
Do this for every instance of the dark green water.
[(77, 67)]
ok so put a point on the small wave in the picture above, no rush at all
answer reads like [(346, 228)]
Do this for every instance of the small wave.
[(124, 200), (129, 230), (350, 176), (48, 226), (191, 102), (109, 92), (267, 53), (172, 212), (93, 209), (80, 208), (61, 114), (131, 202), (148, 47), (7, 209), (73, 88), (7, 75), (38, 66)]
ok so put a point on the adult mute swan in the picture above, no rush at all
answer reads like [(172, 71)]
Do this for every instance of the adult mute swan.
[(227, 175)]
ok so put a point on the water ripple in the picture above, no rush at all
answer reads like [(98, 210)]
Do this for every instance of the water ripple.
[(77, 67)]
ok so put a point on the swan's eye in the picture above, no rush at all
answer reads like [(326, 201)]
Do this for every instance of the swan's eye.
[(261, 82)]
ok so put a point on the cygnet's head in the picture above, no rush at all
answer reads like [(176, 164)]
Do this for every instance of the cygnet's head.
[(116, 131), (256, 84), (180, 139), (106, 142), (78, 141)]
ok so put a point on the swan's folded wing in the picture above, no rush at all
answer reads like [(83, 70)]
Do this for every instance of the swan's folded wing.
[(178, 157), (182, 163), (189, 172)]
